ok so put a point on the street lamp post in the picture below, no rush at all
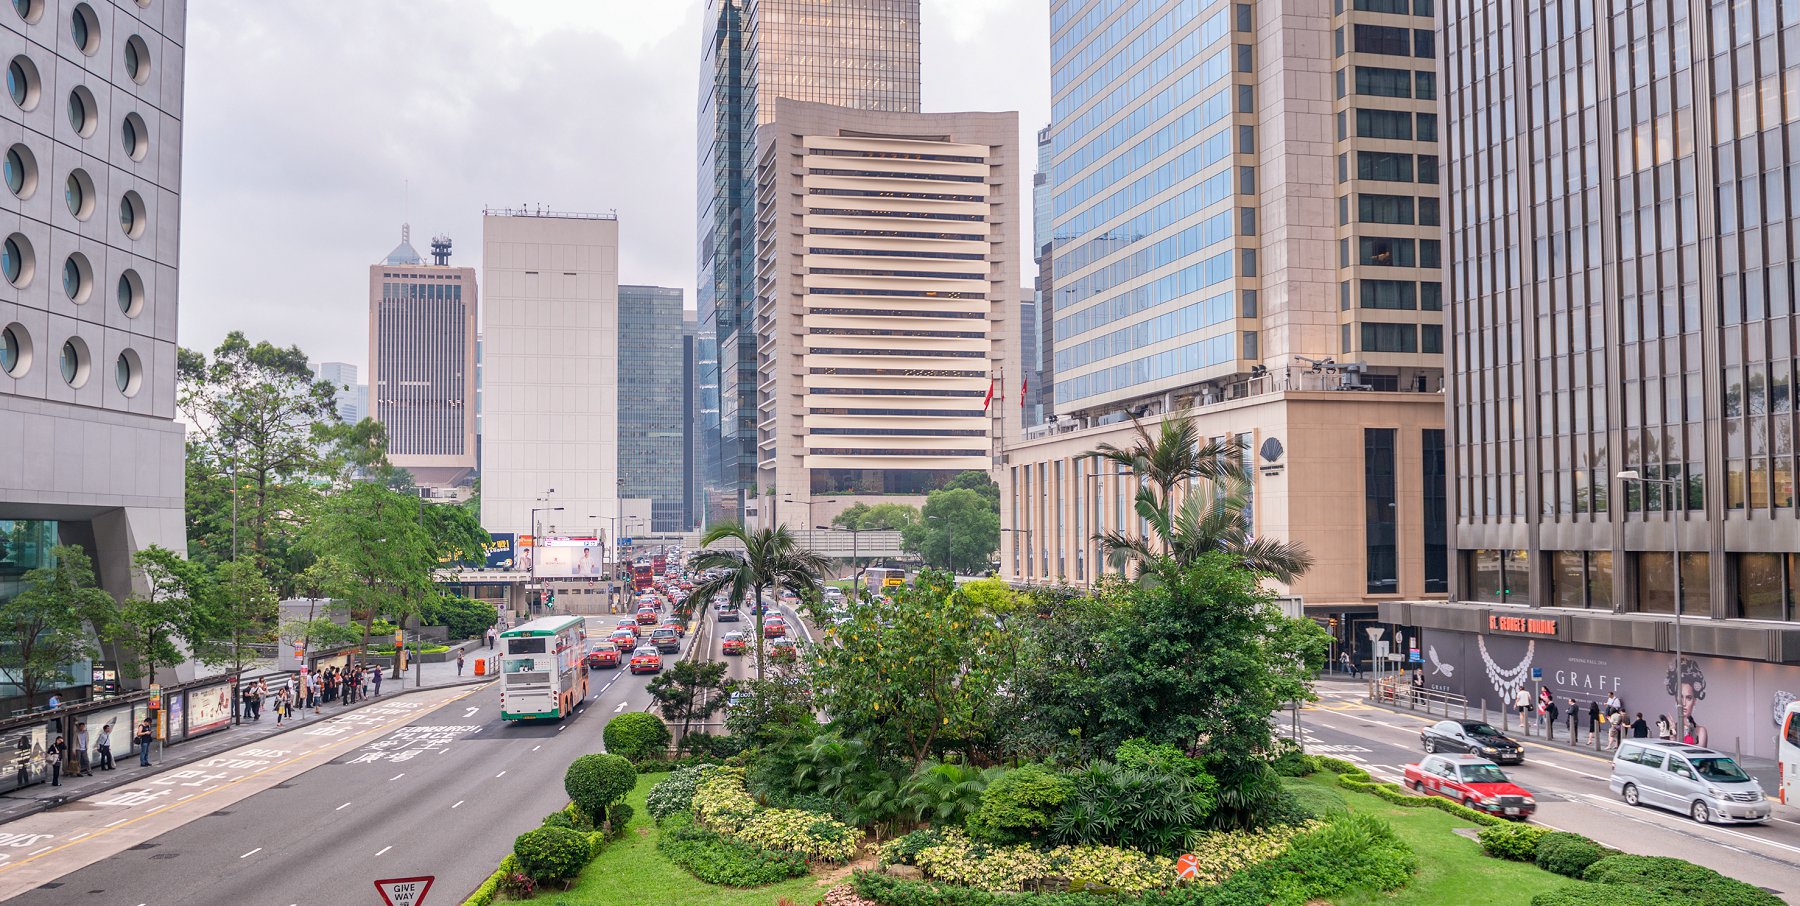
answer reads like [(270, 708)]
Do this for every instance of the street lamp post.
[(1674, 485), (855, 568), (536, 538)]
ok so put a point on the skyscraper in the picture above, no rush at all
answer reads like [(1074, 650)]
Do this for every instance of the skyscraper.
[(422, 322), (861, 54), (1623, 302), (886, 283), (1038, 325), (350, 396), (652, 420), (90, 452), (1244, 228)]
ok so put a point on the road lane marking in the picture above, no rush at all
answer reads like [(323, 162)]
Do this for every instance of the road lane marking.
[(251, 853), (535, 748), (458, 802), (120, 821), (45, 849), (499, 775), (385, 849), (471, 712), (396, 777), (341, 807)]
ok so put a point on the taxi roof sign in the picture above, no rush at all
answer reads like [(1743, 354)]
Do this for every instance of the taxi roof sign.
[(405, 891)]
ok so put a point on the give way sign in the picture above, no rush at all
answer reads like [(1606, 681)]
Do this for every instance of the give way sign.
[(405, 891)]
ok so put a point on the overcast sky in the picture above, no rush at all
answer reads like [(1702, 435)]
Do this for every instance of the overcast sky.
[(304, 131)]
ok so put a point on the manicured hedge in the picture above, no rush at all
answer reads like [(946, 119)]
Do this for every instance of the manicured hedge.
[(490, 888), (552, 853), (1608, 895), (1515, 842), (1677, 877), (717, 859), (1352, 777), (1568, 854)]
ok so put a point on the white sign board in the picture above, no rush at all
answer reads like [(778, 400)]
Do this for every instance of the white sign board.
[(405, 891)]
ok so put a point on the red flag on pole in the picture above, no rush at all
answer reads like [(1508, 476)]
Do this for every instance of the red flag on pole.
[(989, 399), (1023, 383)]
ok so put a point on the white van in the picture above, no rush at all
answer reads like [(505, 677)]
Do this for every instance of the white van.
[(1708, 786)]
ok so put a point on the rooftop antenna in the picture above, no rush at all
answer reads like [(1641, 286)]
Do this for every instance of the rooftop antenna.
[(440, 250)]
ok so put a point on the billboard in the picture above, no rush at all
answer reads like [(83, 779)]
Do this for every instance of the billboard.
[(208, 708), (1734, 705), (569, 558), (502, 550)]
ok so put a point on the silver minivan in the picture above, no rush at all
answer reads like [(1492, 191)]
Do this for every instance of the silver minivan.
[(1707, 785)]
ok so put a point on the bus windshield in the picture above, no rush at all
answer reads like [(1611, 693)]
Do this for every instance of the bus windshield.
[(525, 646)]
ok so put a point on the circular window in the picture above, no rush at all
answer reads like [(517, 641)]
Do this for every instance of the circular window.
[(15, 351), (78, 278), (85, 29), (134, 136), (16, 260), (78, 194), (29, 10), (21, 171), (22, 83), (82, 111), (137, 59), (74, 362), (131, 293), (131, 214), (128, 372)]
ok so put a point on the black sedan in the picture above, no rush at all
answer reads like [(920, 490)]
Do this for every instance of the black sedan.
[(1474, 737)]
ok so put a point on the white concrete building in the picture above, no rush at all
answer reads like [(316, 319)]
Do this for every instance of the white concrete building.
[(550, 373), (90, 134)]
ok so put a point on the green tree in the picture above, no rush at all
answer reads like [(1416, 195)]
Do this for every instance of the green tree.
[(595, 782), (689, 691), (767, 561), (960, 531), (1175, 470), (50, 624), (978, 481), (772, 712), (151, 628), (255, 415), (239, 615), (909, 675), (882, 517), (380, 551)]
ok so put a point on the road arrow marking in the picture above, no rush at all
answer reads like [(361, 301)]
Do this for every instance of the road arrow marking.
[(621, 707), (470, 712)]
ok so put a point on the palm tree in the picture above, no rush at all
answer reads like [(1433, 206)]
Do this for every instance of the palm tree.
[(770, 561), (1185, 525)]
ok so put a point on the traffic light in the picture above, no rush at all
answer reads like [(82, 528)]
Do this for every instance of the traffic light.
[(550, 599)]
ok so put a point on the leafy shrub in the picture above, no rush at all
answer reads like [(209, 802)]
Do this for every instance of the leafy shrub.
[(1317, 801), (518, 885), (1250, 795), (1291, 761), (1677, 878), (1143, 808), (637, 735), (618, 816), (720, 802), (551, 853), (902, 850), (490, 888), (1019, 805), (559, 819), (1350, 851), (1517, 842), (1224, 853), (1567, 854), (945, 794), (717, 859), (957, 859), (1608, 895), (594, 782), (675, 793), (464, 618), (815, 836)]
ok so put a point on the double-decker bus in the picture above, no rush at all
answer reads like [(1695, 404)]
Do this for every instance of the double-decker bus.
[(642, 579), (879, 578), (541, 669), (659, 564)]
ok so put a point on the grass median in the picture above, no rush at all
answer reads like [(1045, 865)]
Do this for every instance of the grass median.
[(631, 872), (1452, 867)]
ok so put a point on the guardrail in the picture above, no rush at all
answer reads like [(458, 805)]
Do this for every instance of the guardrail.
[(1391, 691)]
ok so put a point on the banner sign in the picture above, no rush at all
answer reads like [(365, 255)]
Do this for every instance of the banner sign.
[(569, 558), (208, 708)]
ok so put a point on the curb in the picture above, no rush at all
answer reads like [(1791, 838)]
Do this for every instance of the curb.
[(170, 762)]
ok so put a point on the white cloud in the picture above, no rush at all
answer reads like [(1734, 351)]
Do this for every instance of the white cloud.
[(303, 132)]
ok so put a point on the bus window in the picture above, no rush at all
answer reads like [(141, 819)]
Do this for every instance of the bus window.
[(1793, 728), (522, 665), (525, 646)]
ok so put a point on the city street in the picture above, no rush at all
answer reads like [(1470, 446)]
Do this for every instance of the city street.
[(1571, 791), (430, 784)]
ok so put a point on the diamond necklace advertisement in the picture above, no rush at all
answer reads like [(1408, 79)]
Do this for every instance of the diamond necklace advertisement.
[(1733, 706)]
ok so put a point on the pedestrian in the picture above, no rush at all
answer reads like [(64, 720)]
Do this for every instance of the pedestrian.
[(318, 692), (1664, 729), (81, 749), (1593, 721), (281, 697), (57, 752), (1545, 700), (54, 702), (1691, 735), (459, 665), (1522, 703), (103, 746), (1616, 730), (1613, 705), (1344, 664), (1639, 728), (375, 675), (1551, 712), (490, 637), (1574, 712), (142, 738)]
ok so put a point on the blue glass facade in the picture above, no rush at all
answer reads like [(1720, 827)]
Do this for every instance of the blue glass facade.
[(654, 403)]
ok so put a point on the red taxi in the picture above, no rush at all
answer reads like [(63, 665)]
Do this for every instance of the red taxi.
[(774, 627), (736, 643), (603, 656), (1473, 781), (646, 660)]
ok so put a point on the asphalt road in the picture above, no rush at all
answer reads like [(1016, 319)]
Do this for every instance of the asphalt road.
[(1572, 794), (441, 795)]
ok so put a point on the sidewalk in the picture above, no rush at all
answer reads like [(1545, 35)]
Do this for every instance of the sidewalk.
[(40, 797), (1765, 770)]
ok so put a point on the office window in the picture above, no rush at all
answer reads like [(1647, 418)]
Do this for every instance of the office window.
[(1250, 346), (1431, 296), (1344, 296), (1424, 43), (1385, 83), (1656, 582), (1386, 251), (1427, 127), (1344, 340), (1384, 165), (1389, 124), (1428, 212), (1568, 579), (1247, 262), (1247, 138), (1431, 338), (1384, 208), (1340, 83), (1343, 167), (1389, 338), (1430, 253), (1343, 209), (1600, 577), (1437, 512), (1243, 15), (1383, 39), (1497, 576), (1425, 86), (1246, 180), (1403, 7), (1244, 58), (1380, 512), (1422, 7), (1246, 99), (1397, 295), (1337, 41), (1247, 302), (1246, 221), (1761, 593), (1428, 168)]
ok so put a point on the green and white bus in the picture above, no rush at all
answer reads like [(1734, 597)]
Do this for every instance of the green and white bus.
[(541, 670)]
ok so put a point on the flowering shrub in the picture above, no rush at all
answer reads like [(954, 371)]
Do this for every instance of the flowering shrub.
[(958, 860), (721, 804), (1223, 853), (720, 801), (675, 793)]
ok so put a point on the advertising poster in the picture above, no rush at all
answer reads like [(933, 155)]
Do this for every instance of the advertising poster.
[(501, 550), (1734, 706), (569, 558), (208, 708), (177, 708)]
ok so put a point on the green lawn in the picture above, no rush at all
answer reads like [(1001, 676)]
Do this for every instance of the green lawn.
[(1452, 868), (631, 872)]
